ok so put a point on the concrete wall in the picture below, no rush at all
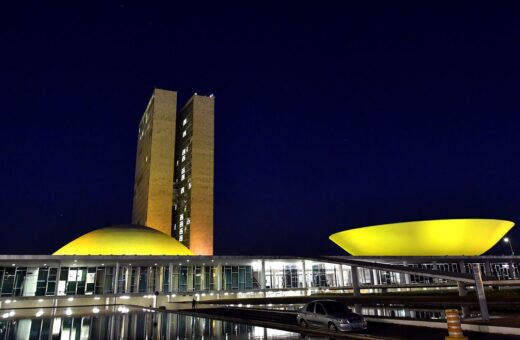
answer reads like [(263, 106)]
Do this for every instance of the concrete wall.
[(201, 234), (153, 190)]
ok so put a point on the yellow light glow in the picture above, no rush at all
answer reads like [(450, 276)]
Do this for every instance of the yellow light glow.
[(124, 240), (455, 237)]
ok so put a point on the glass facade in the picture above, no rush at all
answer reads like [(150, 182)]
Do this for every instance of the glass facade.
[(181, 213), (239, 277)]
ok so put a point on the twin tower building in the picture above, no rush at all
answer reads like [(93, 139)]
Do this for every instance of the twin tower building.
[(173, 189)]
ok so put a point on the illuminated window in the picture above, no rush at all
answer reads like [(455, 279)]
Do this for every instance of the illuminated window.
[(183, 158), (182, 190), (184, 133), (181, 217), (184, 121), (188, 221), (189, 185), (183, 170), (182, 177)]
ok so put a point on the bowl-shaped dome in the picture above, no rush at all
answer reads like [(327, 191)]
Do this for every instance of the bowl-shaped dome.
[(124, 240), (456, 237)]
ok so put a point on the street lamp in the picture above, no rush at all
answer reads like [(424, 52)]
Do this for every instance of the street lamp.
[(506, 240)]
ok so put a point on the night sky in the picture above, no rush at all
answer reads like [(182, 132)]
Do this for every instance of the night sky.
[(328, 116)]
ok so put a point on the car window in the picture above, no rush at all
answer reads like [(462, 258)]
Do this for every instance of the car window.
[(334, 307), (310, 308), (319, 309)]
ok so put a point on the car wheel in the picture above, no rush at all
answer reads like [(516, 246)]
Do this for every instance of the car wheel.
[(332, 327), (303, 323)]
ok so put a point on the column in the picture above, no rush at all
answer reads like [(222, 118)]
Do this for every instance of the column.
[(479, 287), (355, 281), (159, 274), (304, 274), (202, 278), (262, 276), (58, 280), (375, 278), (219, 277), (128, 279), (116, 279)]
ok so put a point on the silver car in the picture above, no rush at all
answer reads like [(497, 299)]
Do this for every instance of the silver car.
[(330, 314)]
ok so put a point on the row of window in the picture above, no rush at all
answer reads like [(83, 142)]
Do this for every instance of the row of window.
[(48, 281)]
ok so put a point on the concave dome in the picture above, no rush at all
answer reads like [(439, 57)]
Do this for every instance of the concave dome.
[(124, 240), (455, 237)]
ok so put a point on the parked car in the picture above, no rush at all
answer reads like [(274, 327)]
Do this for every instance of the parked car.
[(330, 314)]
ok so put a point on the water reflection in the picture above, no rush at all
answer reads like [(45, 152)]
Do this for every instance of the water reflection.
[(134, 324)]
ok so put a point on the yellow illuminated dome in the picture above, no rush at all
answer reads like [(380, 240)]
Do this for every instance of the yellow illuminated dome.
[(456, 237), (124, 240)]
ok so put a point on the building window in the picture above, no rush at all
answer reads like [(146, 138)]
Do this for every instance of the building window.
[(182, 177), (182, 190), (184, 133), (237, 277), (184, 121)]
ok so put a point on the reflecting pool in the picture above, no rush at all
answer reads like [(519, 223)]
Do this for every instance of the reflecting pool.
[(126, 323)]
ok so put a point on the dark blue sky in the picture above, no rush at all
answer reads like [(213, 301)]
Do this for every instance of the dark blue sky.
[(328, 116)]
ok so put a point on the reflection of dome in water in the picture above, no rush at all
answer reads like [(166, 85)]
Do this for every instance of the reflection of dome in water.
[(470, 237), (124, 240)]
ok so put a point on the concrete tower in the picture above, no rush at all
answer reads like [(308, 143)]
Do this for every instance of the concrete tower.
[(193, 185), (173, 190)]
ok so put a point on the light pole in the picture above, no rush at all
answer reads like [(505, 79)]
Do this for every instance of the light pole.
[(506, 240)]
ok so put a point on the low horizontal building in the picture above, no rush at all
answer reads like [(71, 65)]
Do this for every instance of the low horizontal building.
[(28, 280)]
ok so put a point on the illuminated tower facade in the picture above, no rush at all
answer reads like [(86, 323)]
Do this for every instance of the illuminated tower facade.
[(173, 190)]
